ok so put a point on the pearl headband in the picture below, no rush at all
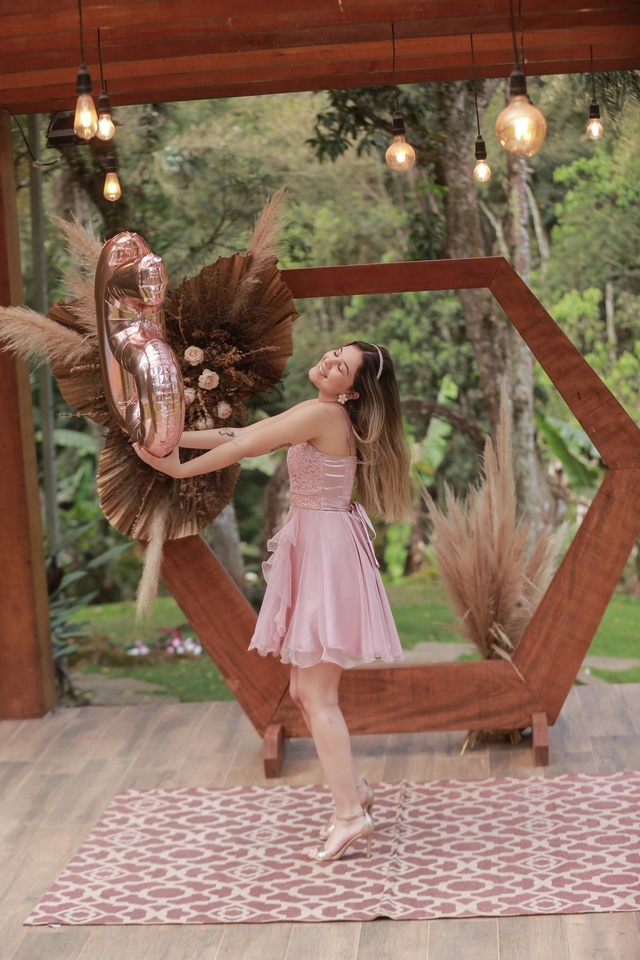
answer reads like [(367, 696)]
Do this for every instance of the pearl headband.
[(379, 374)]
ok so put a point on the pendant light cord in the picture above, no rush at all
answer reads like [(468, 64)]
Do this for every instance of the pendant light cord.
[(593, 82), (81, 40), (393, 66), (513, 33), (475, 91), (102, 83)]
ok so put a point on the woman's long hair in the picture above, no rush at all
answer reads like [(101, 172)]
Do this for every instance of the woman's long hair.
[(383, 454)]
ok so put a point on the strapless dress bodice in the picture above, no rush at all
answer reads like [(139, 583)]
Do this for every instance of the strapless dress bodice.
[(319, 481)]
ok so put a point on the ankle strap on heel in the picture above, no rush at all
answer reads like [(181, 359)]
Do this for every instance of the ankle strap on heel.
[(354, 816)]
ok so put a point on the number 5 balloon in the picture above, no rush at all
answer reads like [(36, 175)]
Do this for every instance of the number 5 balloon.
[(140, 372)]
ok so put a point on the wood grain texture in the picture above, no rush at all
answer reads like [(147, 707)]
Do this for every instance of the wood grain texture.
[(439, 696), (570, 612), (391, 277), (540, 731), (273, 750), (26, 666), (534, 938), (598, 936), (224, 623), (390, 940), (453, 939), (173, 44), (603, 418)]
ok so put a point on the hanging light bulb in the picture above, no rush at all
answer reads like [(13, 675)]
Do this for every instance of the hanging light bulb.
[(520, 127), (85, 124), (482, 170), (595, 127), (106, 126), (112, 190), (400, 155)]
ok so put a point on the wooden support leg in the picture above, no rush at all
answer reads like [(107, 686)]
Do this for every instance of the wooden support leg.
[(540, 731), (273, 750)]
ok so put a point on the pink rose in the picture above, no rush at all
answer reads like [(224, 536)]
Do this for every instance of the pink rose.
[(208, 379), (189, 395), (224, 410), (193, 355)]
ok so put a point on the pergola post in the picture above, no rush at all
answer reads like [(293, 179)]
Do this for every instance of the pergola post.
[(27, 686)]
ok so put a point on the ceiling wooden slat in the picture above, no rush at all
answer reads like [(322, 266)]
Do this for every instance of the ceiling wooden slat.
[(193, 49)]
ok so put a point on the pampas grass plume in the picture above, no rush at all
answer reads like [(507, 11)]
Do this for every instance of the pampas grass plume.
[(148, 586), (493, 578)]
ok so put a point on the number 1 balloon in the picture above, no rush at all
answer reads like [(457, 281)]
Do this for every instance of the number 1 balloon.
[(140, 372)]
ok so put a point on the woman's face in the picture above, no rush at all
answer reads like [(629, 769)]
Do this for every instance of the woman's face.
[(336, 371)]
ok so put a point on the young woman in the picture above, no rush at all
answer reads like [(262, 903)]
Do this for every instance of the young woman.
[(325, 607)]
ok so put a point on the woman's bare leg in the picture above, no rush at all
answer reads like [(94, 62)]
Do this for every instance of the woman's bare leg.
[(317, 690)]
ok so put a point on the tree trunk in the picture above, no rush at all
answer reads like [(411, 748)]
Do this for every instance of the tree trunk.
[(488, 329), (500, 353), (223, 538)]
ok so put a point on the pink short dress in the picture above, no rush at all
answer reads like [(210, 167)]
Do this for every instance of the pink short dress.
[(325, 601)]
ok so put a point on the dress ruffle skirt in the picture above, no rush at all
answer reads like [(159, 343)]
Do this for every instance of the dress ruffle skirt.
[(325, 601)]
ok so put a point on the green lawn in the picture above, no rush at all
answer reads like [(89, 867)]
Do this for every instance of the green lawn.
[(420, 608)]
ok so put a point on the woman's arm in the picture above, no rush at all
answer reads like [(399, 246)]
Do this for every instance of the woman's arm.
[(210, 439), (304, 422)]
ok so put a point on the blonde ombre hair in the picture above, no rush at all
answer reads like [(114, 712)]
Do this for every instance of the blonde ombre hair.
[(382, 474)]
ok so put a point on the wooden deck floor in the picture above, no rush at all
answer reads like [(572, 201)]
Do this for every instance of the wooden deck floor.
[(57, 774)]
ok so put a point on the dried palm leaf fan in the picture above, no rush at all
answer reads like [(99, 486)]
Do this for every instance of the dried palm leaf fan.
[(493, 577), (237, 312)]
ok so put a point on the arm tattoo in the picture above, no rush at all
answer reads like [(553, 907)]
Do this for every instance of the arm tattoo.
[(226, 433), (281, 446)]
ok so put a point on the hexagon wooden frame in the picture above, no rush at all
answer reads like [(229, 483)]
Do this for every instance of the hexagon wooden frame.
[(449, 696)]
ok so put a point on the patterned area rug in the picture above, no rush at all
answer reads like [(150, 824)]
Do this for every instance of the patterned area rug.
[(497, 847)]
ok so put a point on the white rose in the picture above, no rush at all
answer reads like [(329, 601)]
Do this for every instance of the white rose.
[(208, 379), (224, 410), (193, 355), (189, 395), (204, 423)]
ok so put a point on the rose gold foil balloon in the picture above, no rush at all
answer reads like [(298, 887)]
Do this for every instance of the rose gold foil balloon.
[(140, 372)]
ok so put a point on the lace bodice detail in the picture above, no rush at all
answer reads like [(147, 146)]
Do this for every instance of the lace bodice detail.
[(319, 481)]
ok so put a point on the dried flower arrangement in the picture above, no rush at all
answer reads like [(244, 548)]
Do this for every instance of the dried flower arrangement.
[(230, 327), (493, 577)]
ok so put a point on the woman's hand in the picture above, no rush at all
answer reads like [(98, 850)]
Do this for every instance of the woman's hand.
[(170, 464)]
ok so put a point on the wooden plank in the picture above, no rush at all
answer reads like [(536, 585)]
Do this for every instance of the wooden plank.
[(254, 941), (27, 686), (369, 278), (180, 942), (603, 418), (605, 711), (453, 939), (540, 732), (273, 750), (603, 936), (631, 694), (137, 942), (534, 938), (224, 623), (67, 943), (613, 753), (568, 616), (437, 696), (392, 939), (569, 733), (321, 941)]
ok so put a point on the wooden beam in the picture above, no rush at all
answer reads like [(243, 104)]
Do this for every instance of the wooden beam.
[(603, 418), (391, 277), (437, 696), (224, 623), (27, 687)]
